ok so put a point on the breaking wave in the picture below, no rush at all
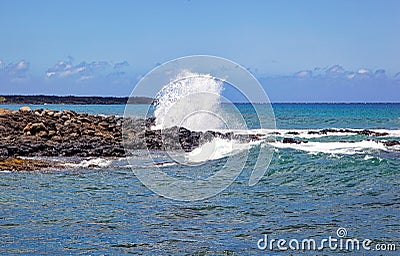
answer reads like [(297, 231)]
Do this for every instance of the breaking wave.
[(192, 101)]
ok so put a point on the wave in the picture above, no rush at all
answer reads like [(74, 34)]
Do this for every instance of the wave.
[(95, 162), (315, 133), (218, 148), (191, 100), (345, 148)]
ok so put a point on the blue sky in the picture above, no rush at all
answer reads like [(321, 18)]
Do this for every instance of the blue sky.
[(300, 50)]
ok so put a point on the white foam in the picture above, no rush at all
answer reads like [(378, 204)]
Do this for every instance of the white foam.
[(191, 100), (165, 164), (395, 147), (368, 157), (216, 149), (304, 133), (95, 162), (346, 148), (392, 133)]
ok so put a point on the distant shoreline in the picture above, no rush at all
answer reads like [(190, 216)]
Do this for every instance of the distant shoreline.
[(73, 100), (111, 100)]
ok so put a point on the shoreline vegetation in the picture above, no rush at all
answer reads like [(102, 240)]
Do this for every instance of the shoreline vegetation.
[(73, 100)]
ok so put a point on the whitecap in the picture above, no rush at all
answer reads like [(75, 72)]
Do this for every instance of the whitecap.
[(95, 162), (346, 148), (218, 148)]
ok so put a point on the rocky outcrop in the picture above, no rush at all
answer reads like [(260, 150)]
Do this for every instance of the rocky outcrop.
[(362, 132), (18, 164), (59, 133), (43, 132), (139, 135), (391, 143), (292, 141)]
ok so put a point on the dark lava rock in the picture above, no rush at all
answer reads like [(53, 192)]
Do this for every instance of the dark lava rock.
[(291, 140), (372, 133), (391, 143), (67, 133), (363, 132)]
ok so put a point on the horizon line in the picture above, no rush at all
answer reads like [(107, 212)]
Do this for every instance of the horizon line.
[(239, 102)]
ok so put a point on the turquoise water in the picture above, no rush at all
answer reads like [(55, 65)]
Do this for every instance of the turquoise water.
[(287, 115), (107, 210)]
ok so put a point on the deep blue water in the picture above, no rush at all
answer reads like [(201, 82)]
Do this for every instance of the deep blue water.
[(107, 210)]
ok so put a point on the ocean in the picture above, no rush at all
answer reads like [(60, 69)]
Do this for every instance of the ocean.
[(310, 190)]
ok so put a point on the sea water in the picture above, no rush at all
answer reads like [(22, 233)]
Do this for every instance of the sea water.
[(308, 191)]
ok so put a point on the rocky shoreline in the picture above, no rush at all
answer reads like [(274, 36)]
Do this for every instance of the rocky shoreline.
[(42, 132), (20, 164), (58, 133)]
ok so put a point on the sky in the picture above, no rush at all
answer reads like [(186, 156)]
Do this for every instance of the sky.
[(301, 51)]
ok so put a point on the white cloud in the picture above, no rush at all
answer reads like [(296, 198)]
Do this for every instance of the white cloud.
[(14, 71), (95, 72), (82, 71), (303, 74), (339, 72), (336, 71), (380, 73), (363, 71), (351, 75), (120, 65)]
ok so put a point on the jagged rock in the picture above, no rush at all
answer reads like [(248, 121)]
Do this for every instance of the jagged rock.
[(362, 132), (52, 133), (391, 143), (25, 109), (275, 133), (372, 133), (34, 128), (291, 140), (57, 138), (104, 124), (42, 134)]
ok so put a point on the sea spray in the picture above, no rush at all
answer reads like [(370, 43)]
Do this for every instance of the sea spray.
[(191, 100)]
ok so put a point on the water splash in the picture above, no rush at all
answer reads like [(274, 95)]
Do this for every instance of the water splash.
[(218, 148), (191, 100)]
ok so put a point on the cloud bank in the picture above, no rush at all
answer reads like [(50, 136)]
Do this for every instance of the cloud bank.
[(334, 84), (14, 72), (66, 77), (330, 84)]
